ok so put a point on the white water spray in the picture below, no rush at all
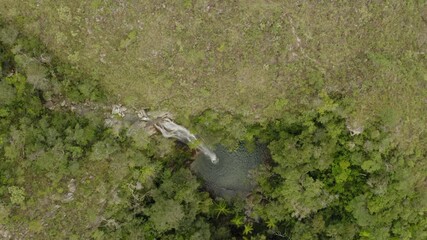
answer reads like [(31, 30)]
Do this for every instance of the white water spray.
[(120, 116), (169, 129)]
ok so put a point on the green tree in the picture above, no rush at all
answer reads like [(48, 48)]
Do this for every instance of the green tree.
[(166, 215), (17, 195)]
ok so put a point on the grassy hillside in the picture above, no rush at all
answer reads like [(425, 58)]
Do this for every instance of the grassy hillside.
[(252, 58)]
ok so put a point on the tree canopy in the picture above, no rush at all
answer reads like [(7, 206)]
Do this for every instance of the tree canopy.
[(65, 175)]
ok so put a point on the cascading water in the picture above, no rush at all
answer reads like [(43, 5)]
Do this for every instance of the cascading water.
[(169, 129), (153, 121), (231, 177)]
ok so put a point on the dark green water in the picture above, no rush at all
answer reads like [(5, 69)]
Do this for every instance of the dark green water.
[(231, 176)]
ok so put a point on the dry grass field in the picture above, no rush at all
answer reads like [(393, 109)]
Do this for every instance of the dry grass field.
[(250, 58)]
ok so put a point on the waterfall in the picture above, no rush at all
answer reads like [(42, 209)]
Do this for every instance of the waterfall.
[(169, 129), (120, 116)]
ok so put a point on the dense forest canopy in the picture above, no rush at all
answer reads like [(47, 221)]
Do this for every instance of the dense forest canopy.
[(336, 91)]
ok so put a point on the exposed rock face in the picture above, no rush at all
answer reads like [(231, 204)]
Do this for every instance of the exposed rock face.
[(119, 117), (355, 128), (71, 189), (170, 129)]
